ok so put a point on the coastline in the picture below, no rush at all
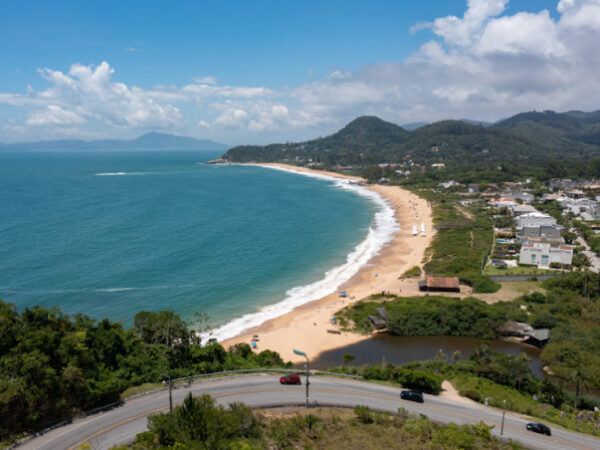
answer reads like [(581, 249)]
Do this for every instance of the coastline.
[(306, 327)]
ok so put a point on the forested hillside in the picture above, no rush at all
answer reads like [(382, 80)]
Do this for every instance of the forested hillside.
[(369, 140)]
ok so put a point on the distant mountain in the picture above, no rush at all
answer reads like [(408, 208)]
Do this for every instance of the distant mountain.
[(148, 141), (570, 130), (413, 125), (477, 122), (370, 140)]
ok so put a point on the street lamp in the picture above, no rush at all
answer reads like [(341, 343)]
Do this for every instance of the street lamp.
[(298, 352)]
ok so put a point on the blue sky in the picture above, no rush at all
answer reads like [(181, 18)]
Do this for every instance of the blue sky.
[(276, 70)]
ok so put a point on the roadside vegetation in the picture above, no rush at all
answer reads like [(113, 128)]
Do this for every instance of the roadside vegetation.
[(53, 366), (569, 307), (199, 424)]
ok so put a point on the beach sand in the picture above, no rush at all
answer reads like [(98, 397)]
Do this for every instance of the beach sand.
[(306, 327)]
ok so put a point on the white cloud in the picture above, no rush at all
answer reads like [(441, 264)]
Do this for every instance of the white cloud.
[(206, 80), (54, 115), (484, 65)]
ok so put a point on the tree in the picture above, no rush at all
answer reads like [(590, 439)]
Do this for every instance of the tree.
[(347, 358)]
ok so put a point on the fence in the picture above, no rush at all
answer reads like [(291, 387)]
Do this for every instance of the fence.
[(546, 276)]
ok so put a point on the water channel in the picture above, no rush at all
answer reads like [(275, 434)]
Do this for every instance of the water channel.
[(406, 349)]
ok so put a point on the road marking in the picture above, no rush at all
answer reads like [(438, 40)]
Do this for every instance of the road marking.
[(330, 391)]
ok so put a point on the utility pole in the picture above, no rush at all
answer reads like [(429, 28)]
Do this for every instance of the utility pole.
[(503, 414), (298, 352), (170, 394)]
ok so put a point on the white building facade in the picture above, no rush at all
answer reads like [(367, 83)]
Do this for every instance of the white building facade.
[(542, 254)]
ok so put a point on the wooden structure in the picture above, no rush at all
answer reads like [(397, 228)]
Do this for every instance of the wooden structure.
[(439, 284)]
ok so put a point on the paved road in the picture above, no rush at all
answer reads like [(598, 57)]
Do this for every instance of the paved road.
[(595, 262), (121, 424)]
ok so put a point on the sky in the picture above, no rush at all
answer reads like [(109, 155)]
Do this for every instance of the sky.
[(266, 71)]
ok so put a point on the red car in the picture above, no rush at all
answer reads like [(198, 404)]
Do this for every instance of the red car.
[(290, 379)]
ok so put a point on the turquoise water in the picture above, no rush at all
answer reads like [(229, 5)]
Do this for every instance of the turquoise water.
[(109, 234)]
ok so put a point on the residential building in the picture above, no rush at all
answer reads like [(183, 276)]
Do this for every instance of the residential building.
[(523, 209), (503, 202), (534, 219), (542, 233), (542, 254)]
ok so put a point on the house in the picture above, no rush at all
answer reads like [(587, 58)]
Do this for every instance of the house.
[(525, 197), (541, 232), (523, 209), (575, 193), (534, 219), (439, 284), (553, 197), (576, 206), (503, 202), (438, 165), (542, 254), (518, 329), (538, 337)]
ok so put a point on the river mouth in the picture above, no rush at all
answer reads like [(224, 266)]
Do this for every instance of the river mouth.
[(406, 349)]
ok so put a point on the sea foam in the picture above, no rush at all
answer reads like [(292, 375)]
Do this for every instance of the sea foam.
[(382, 230)]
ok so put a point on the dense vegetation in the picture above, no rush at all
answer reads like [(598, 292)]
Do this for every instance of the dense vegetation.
[(530, 144), (570, 308), (53, 366), (199, 424), (430, 316), (463, 239)]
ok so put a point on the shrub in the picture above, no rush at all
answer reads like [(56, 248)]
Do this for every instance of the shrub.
[(363, 414)]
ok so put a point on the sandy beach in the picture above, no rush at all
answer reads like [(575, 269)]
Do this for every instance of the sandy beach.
[(306, 327)]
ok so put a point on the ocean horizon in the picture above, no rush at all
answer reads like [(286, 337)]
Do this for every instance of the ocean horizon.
[(108, 234)]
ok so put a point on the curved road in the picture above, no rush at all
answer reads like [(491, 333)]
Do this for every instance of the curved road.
[(120, 425)]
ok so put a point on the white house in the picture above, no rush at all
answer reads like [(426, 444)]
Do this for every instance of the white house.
[(534, 219), (523, 209), (503, 202), (542, 255)]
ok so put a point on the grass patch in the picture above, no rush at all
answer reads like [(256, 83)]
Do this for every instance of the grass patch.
[(462, 242), (140, 389), (495, 271), (412, 273)]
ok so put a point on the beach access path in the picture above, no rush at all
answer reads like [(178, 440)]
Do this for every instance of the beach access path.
[(306, 328)]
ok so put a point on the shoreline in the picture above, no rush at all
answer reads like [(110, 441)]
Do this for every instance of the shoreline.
[(306, 327)]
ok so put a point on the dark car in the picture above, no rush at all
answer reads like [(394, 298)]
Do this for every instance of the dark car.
[(539, 428), (414, 396), (290, 379)]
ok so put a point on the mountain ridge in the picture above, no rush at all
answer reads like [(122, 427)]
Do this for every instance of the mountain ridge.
[(147, 141), (370, 140)]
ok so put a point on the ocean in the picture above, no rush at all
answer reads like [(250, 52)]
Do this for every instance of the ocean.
[(108, 234)]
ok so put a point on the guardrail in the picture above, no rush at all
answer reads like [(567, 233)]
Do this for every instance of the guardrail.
[(190, 378), (243, 371)]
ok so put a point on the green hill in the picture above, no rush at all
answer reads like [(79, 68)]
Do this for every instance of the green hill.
[(524, 138)]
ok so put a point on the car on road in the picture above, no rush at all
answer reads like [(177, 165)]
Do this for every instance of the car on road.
[(292, 378), (412, 395), (539, 428)]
